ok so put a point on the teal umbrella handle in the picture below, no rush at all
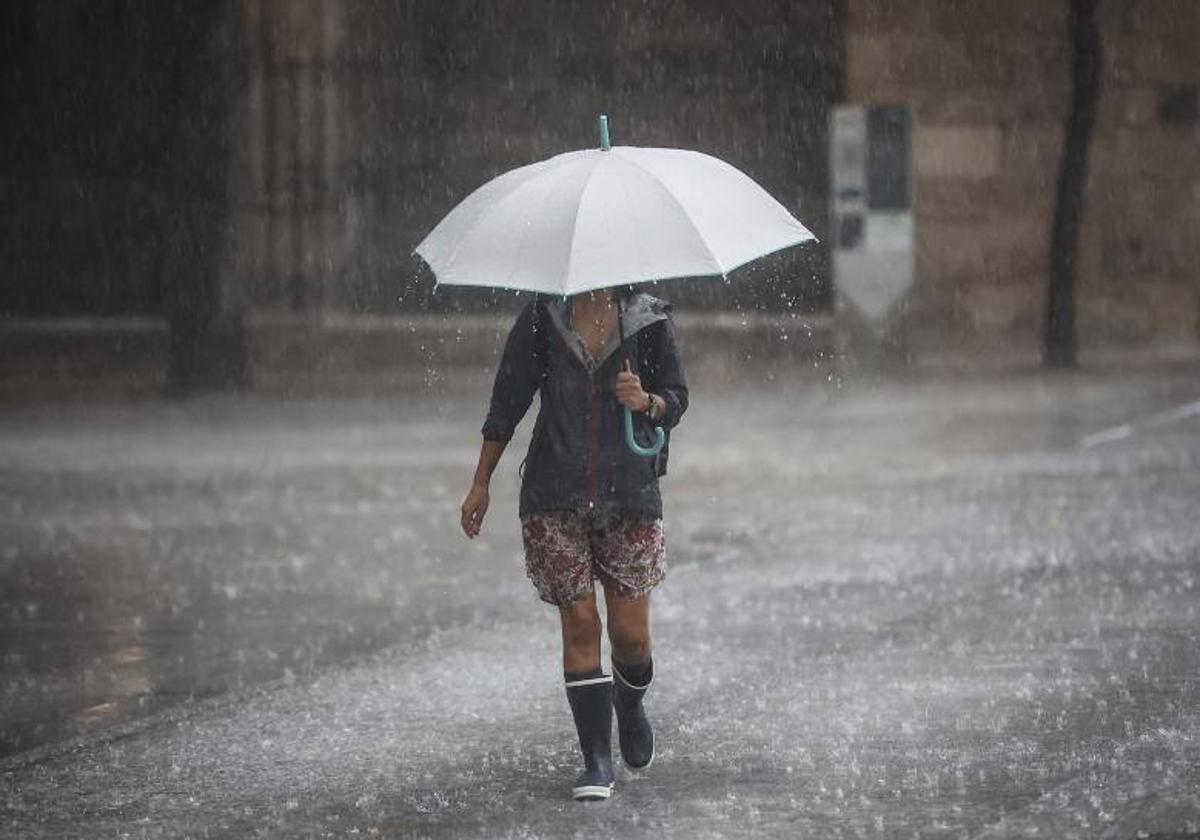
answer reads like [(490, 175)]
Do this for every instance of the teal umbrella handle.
[(660, 437)]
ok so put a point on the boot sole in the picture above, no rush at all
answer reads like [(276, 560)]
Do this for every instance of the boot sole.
[(592, 792)]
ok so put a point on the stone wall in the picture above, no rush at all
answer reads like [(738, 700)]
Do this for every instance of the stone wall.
[(366, 121), (990, 83)]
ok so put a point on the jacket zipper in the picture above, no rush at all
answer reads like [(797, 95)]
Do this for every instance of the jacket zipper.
[(593, 443), (593, 427)]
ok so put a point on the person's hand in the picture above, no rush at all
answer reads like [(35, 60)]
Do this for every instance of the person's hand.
[(473, 509), (629, 390)]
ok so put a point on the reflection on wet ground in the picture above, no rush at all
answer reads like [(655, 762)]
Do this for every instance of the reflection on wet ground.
[(152, 556), (892, 609)]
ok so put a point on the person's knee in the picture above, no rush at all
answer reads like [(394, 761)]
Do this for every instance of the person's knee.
[(581, 626), (630, 641)]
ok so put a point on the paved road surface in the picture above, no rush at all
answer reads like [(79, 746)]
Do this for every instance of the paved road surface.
[(917, 609)]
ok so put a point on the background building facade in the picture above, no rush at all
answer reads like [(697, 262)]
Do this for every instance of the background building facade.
[(990, 85), (242, 170), (365, 123)]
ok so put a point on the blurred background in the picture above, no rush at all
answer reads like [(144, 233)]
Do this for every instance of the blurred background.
[(228, 194), (931, 515)]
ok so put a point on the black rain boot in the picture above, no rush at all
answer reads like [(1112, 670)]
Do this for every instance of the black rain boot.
[(591, 703), (633, 729)]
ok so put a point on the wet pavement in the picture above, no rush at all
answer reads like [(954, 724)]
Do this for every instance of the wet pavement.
[(894, 609)]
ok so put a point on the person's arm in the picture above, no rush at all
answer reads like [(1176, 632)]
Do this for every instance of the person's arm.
[(517, 380), (664, 375), (517, 377), (476, 504)]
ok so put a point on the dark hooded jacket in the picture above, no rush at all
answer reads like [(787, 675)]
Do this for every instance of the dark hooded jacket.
[(578, 457)]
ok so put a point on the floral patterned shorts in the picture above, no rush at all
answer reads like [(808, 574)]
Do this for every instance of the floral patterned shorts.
[(565, 551)]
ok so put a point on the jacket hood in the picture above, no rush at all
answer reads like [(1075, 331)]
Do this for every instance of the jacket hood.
[(640, 310)]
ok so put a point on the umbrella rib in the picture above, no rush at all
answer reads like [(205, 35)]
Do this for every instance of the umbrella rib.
[(575, 225), (720, 269), (451, 256), (571, 241), (462, 205), (532, 172)]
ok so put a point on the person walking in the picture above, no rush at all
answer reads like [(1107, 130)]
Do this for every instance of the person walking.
[(590, 507)]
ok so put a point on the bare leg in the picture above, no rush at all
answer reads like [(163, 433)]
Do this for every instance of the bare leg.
[(590, 695), (629, 628), (581, 635), (629, 632)]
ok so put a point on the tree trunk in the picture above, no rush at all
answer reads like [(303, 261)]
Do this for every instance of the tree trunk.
[(1059, 347)]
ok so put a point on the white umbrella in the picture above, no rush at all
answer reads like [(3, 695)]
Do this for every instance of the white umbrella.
[(609, 217), (605, 217)]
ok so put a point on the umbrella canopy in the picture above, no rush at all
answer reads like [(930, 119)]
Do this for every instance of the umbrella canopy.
[(606, 217), (609, 217)]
